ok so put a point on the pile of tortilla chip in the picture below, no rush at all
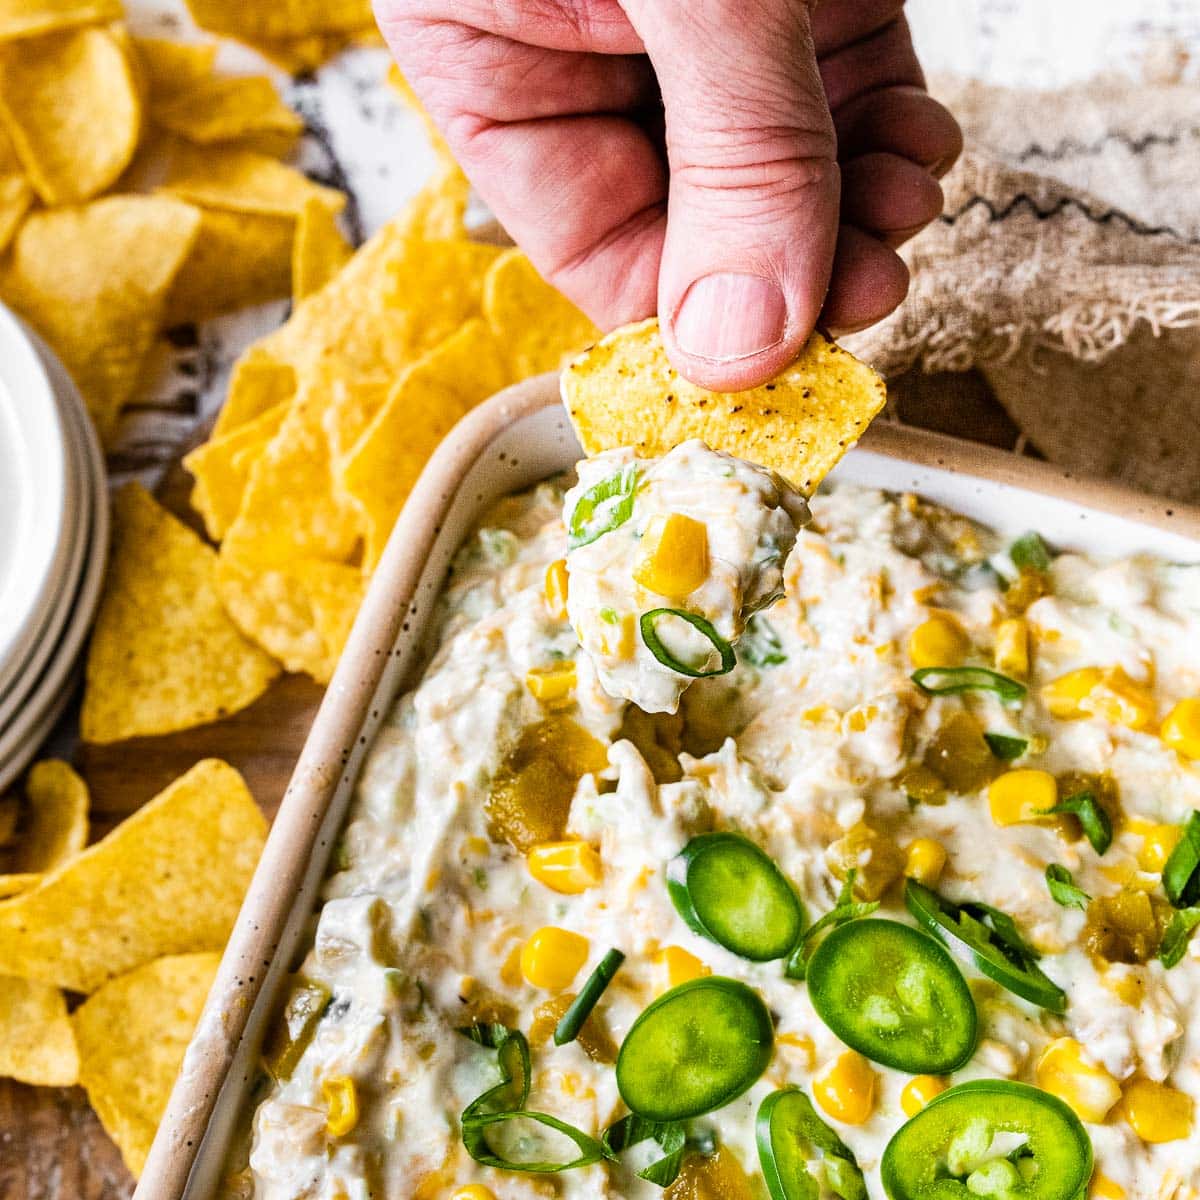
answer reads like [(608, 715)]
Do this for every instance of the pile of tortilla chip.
[(109, 950), (140, 189)]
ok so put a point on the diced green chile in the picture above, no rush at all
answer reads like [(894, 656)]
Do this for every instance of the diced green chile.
[(696, 1048), (953, 681), (945, 1151), (787, 1131), (988, 939), (1030, 553), (894, 994), (1181, 874), (605, 506), (648, 624), (304, 1008), (730, 892)]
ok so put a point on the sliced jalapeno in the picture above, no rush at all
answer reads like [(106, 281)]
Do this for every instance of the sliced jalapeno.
[(988, 939), (787, 1131), (696, 1048), (950, 1149), (894, 994), (730, 892)]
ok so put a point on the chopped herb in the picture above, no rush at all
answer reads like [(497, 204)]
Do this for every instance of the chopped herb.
[(567, 1030), (1096, 823), (845, 909), (1029, 553), (605, 506), (499, 546), (479, 875), (1181, 875), (1062, 888), (1006, 747), (760, 643), (952, 681), (648, 624), (1179, 932), (608, 615), (671, 1137)]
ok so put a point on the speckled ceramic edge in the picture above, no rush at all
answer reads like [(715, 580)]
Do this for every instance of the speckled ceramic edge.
[(384, 645)]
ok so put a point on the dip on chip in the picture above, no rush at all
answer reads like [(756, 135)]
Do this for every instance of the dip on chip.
[(168, 880), (37, 1044), (624, 392), (164, 653), (132, 1035)]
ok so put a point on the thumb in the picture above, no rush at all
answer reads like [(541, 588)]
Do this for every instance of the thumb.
[(752, 216)]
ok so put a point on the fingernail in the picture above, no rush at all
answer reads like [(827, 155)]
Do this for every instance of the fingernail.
[(728, 316)]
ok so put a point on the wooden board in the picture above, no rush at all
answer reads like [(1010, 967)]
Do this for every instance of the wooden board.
[(51, 1144)]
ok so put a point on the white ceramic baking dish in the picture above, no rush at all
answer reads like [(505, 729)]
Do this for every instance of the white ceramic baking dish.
[(515, 439)]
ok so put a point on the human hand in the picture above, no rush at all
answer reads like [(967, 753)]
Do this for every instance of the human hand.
[(744, 168)]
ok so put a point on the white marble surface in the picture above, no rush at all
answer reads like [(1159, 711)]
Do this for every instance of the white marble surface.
[(362, 139)]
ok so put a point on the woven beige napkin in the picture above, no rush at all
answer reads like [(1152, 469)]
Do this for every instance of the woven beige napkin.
[(1066, 265)]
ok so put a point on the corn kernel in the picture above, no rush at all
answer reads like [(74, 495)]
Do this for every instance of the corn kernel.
[(845, 1088), (566, 867), (555, 588), (681, 965), (674, 557), (1017, 796), (918, 1092), (1120, 700), (1103, 1188), (1063, 696), (341, 1105), (552, 957), (1011, 651), (924, 861), (1156, 1112), (1181, 730), (1090, 1091), (1157, 843), (552, 683), (473, 1191), (938, 642)]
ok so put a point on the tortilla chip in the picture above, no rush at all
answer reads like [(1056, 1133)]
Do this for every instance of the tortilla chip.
[(282, 19), (221, 468), (37, 1043), (624, 392), (238, 259), (219, 109), (132, 1036), (164, 655), (290, 509), (168, 880), (56, 821), (424, 405), (16, 197), (301, 55), (536, 324), (258, 384), (26, 18), (243, 181), (71, 106), (93, 281), (319, 251), (301, 613), (396, 80), (170, 67), (17, 882)]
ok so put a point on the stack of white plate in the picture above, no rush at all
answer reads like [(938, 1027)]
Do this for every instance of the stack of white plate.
[(53, 541)]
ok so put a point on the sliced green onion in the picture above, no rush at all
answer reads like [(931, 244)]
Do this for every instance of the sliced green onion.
[(512, 1056), (786, 1130), (760, 643), (671, 1137), (1029, 553), (846, 909), (1062, 888), (1096, 823), (567, 1030), (605, 506), (475, 1139), (650, 619), (1181, 875), (1006, 747), (1178, 933), (952, 681)]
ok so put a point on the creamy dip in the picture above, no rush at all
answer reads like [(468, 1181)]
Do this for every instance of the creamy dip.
[(514, 822), (669, 558)]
